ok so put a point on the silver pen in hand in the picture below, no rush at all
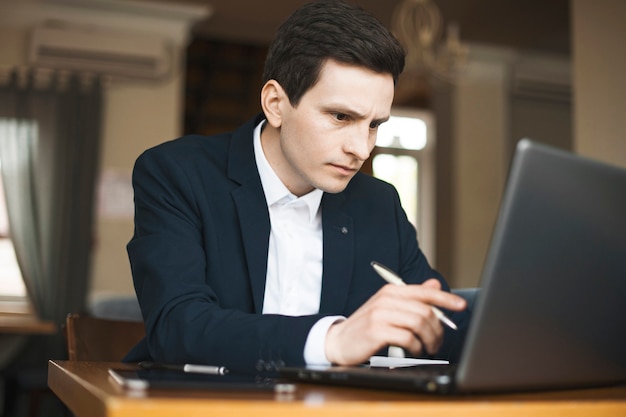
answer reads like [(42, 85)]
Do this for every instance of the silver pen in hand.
[(392, 278)]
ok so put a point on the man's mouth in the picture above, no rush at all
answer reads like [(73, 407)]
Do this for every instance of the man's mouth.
[(345, 169)]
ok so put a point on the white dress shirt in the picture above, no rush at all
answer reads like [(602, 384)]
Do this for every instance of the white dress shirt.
[(293, 283)]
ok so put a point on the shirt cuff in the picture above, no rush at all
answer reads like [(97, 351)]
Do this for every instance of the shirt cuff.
[(315, 347)]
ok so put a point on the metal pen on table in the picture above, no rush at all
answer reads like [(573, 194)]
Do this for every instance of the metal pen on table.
[(189, 368)]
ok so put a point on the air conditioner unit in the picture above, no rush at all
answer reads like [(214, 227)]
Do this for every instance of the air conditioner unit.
[(542, 78), (127, 55)]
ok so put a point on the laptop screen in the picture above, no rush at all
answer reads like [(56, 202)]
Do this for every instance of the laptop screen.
[(551, 311)]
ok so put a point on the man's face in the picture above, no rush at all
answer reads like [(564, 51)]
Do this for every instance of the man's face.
[(324, 140)]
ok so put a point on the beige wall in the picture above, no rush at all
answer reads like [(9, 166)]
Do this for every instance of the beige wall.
[(480, 128), (599, 58), (12, 45), (481, 112), (136, 117), (483, 139)]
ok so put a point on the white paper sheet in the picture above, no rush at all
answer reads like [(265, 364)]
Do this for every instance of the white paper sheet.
[(390, 362)]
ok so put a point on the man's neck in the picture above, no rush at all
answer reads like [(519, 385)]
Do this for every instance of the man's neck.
[(270, 143)]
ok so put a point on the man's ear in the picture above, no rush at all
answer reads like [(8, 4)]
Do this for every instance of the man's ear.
[(273, 101)]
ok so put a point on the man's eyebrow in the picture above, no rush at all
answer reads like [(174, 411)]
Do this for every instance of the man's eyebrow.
[(352, 112), (381, 120)]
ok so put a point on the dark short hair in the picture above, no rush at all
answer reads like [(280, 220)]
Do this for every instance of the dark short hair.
[(329, 29)]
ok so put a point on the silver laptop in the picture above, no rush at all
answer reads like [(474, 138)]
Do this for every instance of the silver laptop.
[(552, 308)]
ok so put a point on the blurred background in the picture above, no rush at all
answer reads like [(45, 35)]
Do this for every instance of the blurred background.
[(481, 74)]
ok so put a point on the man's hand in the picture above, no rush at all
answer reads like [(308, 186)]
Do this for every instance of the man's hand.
[(395, 315)]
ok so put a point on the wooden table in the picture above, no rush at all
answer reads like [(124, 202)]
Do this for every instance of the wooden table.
[(88, 391), (25, 324)]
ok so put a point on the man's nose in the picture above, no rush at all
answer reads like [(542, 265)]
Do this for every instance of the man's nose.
[(358, 144)]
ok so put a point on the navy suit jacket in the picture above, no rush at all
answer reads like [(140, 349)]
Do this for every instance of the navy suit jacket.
[(199, 255)]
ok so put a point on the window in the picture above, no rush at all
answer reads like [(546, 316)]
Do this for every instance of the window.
[(404, 156), (11, 283)]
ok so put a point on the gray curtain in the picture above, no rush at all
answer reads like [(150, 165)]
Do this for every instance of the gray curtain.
[(50, 134)]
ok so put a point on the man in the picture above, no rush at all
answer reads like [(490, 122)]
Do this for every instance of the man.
[(253, 249)]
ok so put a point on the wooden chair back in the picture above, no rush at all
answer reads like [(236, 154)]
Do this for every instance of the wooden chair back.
[(92, 338)]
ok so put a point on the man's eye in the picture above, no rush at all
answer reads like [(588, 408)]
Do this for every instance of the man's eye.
[(341, 116), (374, 125)]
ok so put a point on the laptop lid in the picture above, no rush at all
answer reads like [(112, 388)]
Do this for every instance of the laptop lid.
[(552, 309)]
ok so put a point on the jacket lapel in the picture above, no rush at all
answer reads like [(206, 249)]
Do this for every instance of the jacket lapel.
[(338, 254), (251, 208)]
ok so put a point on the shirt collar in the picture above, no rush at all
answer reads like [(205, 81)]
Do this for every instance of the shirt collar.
[(274, 189)]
